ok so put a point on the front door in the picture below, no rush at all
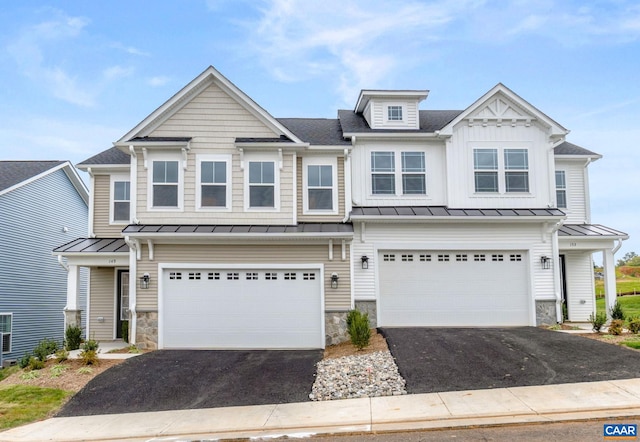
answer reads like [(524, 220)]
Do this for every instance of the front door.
[(122, 313), (563, 289)]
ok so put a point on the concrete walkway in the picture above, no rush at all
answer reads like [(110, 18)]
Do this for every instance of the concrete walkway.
[(549, 403)]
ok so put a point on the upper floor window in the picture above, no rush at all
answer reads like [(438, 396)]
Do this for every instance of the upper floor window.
[(385, 178), (6, 320), (121, 201), (491, 175), (166, 176), (214, 184), (320, 185), (561, 189), (262, 184), (394, 113)]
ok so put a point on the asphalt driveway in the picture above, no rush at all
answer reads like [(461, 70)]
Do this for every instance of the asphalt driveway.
[(190, 379), (453, 359)]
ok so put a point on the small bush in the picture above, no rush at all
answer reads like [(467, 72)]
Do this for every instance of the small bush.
[(90, 345), (62, 355), (45, 348), (36, 363), (615, 327), (29, 375), (616, 311), (73, 337), (125, 331), (23, 362), (634, 325), (85, 370), (597, 320), (358, 328), (89, 357), (57, 370)]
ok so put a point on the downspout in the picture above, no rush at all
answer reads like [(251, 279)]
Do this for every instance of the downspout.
[(134, 247), (92, 189), (616, 248), (347, 185), (587, 197)]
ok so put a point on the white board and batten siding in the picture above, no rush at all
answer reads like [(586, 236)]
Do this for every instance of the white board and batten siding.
[(580, 285), (33, 285), (576, 210)]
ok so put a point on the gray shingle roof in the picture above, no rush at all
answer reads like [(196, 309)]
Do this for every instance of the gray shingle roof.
[(109, 156), (441, 211), (309, 228), (589, 230), (430, 121), (317, 131), (567, 148), (15, 172), (280, 139), (162, 139)]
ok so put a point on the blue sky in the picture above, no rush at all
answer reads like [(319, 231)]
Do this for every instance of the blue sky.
[(76, 76)]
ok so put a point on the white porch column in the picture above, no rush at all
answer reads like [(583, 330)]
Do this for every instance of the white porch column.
[(71, 312), (609, 270)]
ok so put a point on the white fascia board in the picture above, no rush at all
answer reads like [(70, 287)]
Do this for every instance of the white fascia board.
[(102, 169), (396, 134), (96, 259), (366, 95), (571, 243), (457, 219), (267, 145), (556, 128), (595, 157)]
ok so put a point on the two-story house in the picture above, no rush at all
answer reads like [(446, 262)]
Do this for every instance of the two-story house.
[(215, 225)]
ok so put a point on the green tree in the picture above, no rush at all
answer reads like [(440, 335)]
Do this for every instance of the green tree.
[(629, 259)]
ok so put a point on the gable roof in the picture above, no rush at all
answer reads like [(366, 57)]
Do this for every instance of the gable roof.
[(569, 149), (430, 121), (501, 90), (317, 131), (198, 84), (15, 174), (112, 156)]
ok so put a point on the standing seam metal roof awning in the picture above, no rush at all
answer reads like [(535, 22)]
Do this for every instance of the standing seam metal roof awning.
[(93, 245), (302, 229), (590, 231), (440, 211)]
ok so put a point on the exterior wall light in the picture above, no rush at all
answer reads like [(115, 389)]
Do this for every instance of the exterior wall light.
[(334, 280), (144, 281), (545, 262), (365, 261)]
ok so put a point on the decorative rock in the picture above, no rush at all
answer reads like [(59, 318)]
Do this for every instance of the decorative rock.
[(370, 375)]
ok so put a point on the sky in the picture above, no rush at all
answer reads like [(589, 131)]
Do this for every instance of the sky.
[(76, 76)]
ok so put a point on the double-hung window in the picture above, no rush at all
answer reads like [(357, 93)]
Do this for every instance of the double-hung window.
[(262, 184), (120, 199), (166, 176), (320, 184), (410, 179), (506, 173), (6, 323), (561, 189), (213, 190)]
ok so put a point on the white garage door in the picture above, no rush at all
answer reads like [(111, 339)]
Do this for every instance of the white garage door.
[(243, 309), (459, 288)]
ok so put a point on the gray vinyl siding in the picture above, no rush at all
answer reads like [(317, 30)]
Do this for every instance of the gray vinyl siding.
[(33, 286), (101, 201), (300, 196), (335, 299), (102, 303)]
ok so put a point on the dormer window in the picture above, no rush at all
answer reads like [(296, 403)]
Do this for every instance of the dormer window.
[(394, 113)]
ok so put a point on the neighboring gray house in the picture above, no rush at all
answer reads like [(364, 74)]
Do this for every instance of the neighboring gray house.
[(42, 204)]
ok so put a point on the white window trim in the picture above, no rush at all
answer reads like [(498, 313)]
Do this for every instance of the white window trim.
[(397, 173), (566, 192), (320, 161), (228, 160), (252, 158), (5, 351), (403, 108), (113, 178), (502, 185), (165, 157)]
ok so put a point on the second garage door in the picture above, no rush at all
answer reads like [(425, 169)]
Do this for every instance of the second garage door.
[(458, 288), (241, 308)]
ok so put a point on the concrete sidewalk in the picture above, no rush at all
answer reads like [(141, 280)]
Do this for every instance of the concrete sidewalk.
[(549, 403)]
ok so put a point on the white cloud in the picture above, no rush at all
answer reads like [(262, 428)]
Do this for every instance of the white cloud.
[(115, 72), (158, 81)]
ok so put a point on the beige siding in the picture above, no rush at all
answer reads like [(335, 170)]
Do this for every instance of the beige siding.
[(102, 303), (101, 194), (300, 196), (335, 299), (580, 285)]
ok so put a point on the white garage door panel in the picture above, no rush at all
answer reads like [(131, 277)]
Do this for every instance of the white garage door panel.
[(471, 288), (241, 309)]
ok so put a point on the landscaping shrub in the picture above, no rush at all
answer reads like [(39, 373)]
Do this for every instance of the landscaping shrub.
[(615, 327), (36, 363), (62, 355), (45, 348), (89, 353), (90, 345), (616, 311), (23, 362), (358, 328), (597, 320), (125, 331), (73, 337), (634, 324)]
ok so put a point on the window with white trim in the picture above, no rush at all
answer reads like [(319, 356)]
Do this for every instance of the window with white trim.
[(561, 189), (508, 173), (394, 113), (166, 184), (120, 199), (213, 178), (411, 179), (320, 185), (262, 184), (6, 324)]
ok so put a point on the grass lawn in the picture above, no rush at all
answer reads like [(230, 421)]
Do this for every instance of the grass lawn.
[(21, 404), (630, 305), (626, 285)]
